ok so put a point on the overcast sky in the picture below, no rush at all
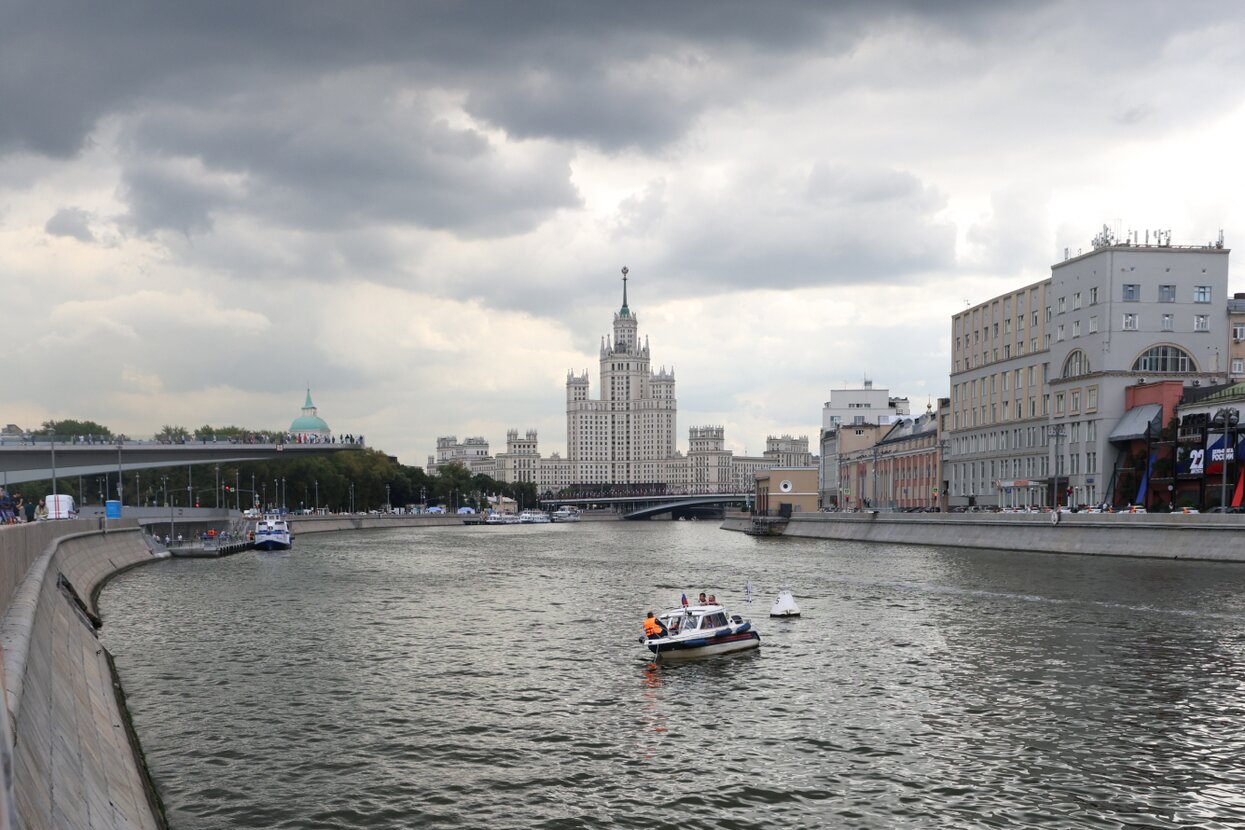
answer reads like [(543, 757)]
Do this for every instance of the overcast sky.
[(422, 209)]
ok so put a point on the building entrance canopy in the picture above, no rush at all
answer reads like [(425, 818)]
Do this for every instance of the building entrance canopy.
[(1137, 423)]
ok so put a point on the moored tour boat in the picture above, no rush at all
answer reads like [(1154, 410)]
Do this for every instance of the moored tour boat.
[(566, 513), (272, 533), (701, 631), (534, 517)]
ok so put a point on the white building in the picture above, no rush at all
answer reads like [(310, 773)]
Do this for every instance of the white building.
[(623, 436), (861, 407)]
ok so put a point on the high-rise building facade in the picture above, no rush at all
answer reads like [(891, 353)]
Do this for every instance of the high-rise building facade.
[(623, 436)]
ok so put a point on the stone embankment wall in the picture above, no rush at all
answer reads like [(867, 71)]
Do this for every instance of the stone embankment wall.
[(74, 763), (324, 524), (1157, 535)]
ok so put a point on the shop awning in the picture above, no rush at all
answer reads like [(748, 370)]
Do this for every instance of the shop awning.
[(1136, 423)]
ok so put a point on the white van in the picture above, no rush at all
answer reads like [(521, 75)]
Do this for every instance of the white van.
[(61, 506)]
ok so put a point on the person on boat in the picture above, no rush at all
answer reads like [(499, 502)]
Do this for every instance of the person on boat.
[(702, 598), (713, 599), (653, 626)]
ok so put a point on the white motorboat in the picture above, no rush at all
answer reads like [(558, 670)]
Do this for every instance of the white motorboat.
[(498, 518), (566, 513), (701, 631), (534, 517), (785, 605), (272, 533)]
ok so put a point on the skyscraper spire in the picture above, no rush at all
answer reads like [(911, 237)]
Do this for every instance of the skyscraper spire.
[(625, 312)]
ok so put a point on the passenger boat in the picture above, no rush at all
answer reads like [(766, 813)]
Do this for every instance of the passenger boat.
[(272, 533), (566, 513), (534, 517), (498, 518), (701, 631)]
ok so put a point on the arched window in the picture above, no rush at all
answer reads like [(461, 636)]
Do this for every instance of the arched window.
[(1077, 364), (1165, 359)]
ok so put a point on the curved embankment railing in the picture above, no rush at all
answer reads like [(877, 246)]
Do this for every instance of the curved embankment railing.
[(75, 761), (1151, 535)]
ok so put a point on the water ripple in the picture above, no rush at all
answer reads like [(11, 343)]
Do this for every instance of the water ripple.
[(491, 677)]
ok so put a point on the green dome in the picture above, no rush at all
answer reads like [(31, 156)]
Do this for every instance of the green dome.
[(309, 423)]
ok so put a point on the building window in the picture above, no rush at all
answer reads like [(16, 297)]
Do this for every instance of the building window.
[(1093, 324), (1059, 404), (1091, 403), (1076, 300), (1238, 366), (1238, 331), (1063, 304), (1130, 322), (1164, 359), (1076, 365), (1075, 402), (1201, 322), (1048, 315), (1201, 293), (1059, 332), (1167, 293), (1132, 292), (1076, 328), (1093, 296), (1168, 321)]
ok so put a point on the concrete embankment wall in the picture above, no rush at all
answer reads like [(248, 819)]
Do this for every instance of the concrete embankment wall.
[(1158, 535), (74, 765), (324, 524)]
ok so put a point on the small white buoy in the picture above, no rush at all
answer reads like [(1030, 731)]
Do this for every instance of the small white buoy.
[(785, 605)]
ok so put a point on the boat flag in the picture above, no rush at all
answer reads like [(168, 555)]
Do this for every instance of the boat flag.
[(685, 600)]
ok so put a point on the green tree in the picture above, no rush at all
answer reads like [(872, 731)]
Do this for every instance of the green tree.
[(69, 426)]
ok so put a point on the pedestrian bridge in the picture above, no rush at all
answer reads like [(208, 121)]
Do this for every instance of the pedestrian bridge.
[(649, 506), (37, 461)]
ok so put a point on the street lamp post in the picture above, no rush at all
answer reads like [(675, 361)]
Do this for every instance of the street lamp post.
[(1057, 432), (52, 444), (388, 503), (1226, 419), (317, 504)]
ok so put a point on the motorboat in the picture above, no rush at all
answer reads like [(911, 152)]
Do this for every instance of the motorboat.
[(566, 513), (534, 517), (701, 631), (272, 532), (498, 518), (785, 605)]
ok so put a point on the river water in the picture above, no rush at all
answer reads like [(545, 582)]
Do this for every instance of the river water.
[(491, 677)]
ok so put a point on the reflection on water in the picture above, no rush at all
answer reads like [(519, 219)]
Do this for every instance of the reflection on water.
[(492, 677)]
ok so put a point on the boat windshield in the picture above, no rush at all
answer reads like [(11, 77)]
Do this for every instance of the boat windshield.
[(714, 620)]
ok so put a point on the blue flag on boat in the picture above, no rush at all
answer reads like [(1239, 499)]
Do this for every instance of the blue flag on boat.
[(685, 600)]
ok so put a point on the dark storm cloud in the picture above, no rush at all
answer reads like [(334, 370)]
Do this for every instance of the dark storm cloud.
[(63, 66), (71, 221), (339, 154)]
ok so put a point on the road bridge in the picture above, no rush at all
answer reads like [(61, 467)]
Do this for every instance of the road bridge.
[(35, 462), (649, 506)]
